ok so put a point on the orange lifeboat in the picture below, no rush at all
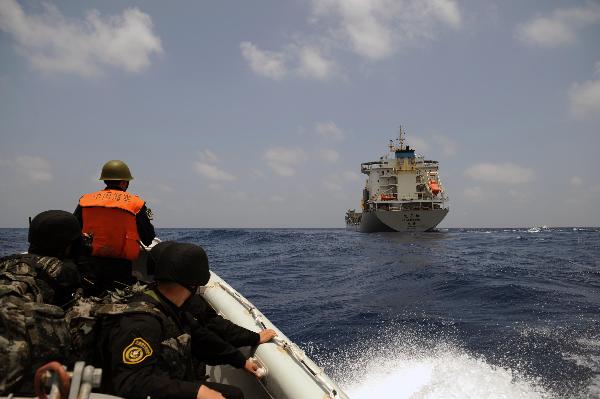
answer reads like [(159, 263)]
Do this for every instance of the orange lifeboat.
[(434, 187), (386, 197)]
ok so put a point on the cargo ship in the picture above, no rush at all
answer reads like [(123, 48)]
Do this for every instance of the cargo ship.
[(403, 193)]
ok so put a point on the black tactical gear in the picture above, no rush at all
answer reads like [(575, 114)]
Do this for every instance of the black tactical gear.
[(148, 354), (149, 350)]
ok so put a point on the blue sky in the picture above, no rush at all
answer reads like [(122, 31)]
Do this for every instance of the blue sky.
[(258, 114)]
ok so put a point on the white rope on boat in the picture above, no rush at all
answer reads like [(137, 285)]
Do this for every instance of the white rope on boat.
[(292, 349)]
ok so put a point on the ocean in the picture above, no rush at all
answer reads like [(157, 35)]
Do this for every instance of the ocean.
[(459, 313)]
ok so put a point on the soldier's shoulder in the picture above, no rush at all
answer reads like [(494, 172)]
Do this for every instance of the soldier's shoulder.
[(19, 263)]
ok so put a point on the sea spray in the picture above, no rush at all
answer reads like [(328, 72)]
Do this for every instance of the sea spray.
[(396, 364)]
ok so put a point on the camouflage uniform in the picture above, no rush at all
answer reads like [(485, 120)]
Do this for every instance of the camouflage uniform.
[(33, 330)]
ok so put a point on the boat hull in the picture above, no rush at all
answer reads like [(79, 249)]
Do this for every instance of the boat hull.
[(401, 221), (290, 373)]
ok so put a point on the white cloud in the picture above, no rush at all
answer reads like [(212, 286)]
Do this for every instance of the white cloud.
[(54, 43), (446, 11), (212, 172), (363, 23), (36, 169), (285, 155), (330, 130), (257, 174), (420, 145), (519, 195), (447, 145), (560, 27), (506, 173), (443, 144), (276, 199), (294, 60), (332, 183), (584, 98), (208, 156), (206, 167), (375, 28), (330, 156), (266, 63), (335, 182), (31, 168), (312, 64), (284, 160), (372, 29), (576, 181), (239, 195)]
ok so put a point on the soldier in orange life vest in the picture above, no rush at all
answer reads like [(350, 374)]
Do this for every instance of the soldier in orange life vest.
[(118, 222)]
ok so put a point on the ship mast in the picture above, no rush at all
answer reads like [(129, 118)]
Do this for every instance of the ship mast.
[(401, 138)]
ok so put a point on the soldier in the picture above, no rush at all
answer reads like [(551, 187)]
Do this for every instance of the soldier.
[(32, 328), (234, 336), (118, 222), (151, 348)]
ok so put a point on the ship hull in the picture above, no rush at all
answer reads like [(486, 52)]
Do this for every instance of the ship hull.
[(401, 221)]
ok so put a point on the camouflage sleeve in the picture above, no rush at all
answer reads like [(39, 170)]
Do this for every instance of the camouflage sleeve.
[(63, 273)]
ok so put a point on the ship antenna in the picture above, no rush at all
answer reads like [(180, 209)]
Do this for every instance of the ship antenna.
[(401, 138)]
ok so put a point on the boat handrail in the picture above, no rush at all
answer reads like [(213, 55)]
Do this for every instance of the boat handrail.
[(292, 349)]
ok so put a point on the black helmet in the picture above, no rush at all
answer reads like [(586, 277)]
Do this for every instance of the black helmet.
[(154, 255), (51, 232), (182, 263)]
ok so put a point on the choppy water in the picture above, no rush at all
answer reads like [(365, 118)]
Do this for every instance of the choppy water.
[(498, 313)]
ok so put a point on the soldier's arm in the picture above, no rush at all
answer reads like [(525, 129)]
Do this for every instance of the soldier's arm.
[(228, 331), (210, 348), (79, 215), (144, 226)]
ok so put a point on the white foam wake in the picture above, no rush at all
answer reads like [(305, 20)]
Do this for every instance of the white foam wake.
[(446, 373)]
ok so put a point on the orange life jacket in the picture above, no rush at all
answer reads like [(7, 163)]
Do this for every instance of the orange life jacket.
[(109, 216)]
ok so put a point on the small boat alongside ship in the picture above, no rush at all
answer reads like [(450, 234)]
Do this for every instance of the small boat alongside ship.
[(403, 193)]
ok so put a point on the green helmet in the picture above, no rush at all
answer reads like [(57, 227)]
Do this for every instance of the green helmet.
[(115, 170)]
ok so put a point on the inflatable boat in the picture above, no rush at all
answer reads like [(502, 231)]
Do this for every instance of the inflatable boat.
[(287, 372)]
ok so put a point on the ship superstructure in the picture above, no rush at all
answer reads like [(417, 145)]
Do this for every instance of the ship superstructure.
[(403, 192)]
